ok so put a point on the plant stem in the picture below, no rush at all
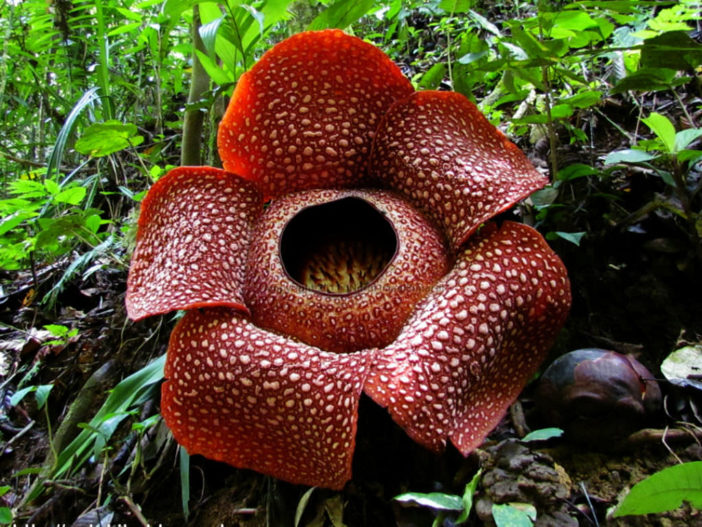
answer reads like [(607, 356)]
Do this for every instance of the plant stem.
[(194, 117), (103, 65)]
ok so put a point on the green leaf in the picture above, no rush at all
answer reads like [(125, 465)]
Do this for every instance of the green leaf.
[(121, 398), (533, 47), (54, 163), (71, 196), (126, 28), (5, 515), (433, 500), (467, 498), (514, 514), (663, 128), (485, 23), (29, 471), (572, 237), (684, 137), (469, 58), (101, 139), (52, 187), (576, 170), (433, 77), (672, 49), (257, 16), (184, 465), (42, 394), (302, 505), (456, 6), (57, 330), (341, 14), (28, 189), (628, 156), (208, 34), (585, 99), (571, 21), (691, 156), (542, 434), (217, 74), (647, 79), (561, 111), (174, 8), (665, 491), (21, 394), (14, 220)]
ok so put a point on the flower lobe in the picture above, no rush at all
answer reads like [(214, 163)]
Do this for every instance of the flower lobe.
[(191, 243), (305, 114), (253, 399), (443, 155)]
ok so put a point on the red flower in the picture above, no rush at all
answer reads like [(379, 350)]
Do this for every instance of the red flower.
[(369, 270)]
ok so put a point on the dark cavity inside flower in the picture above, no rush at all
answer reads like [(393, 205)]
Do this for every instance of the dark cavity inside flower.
[(337, 247), (374, 267)]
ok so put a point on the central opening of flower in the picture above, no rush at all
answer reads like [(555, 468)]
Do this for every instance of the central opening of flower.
[(337, 247)]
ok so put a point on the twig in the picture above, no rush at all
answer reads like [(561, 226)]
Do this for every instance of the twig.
[(135, 510), (653, 435), (683, 107), (665, 444), (589, 503), (16, 437), (516, 413), (20, 161)]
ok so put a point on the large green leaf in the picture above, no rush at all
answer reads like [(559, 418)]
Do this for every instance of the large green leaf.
[(663, 128), (665, 491), (672, 49), (648, 79), (433, 77), (71, 195), (121, 398), (341, 14), (101, 139), (628, 156), (684, 137), (456, 6)]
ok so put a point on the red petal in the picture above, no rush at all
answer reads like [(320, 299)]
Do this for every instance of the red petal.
[(304, 115), (238, 394), (438, 150), (192, 242), (470, 348), (369, 317)]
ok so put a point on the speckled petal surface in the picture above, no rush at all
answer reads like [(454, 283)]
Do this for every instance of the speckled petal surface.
[(192, 240), (439, 151), (472, 345), (370, 317), (305, 114), (238, 394)]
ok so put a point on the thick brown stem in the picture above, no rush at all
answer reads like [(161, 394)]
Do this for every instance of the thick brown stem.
[(194, 117)]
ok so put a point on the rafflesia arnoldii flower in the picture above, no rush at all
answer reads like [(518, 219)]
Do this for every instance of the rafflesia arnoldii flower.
[(370, 270)]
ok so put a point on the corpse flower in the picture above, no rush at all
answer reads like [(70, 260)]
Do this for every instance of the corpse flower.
[(372, 268)]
